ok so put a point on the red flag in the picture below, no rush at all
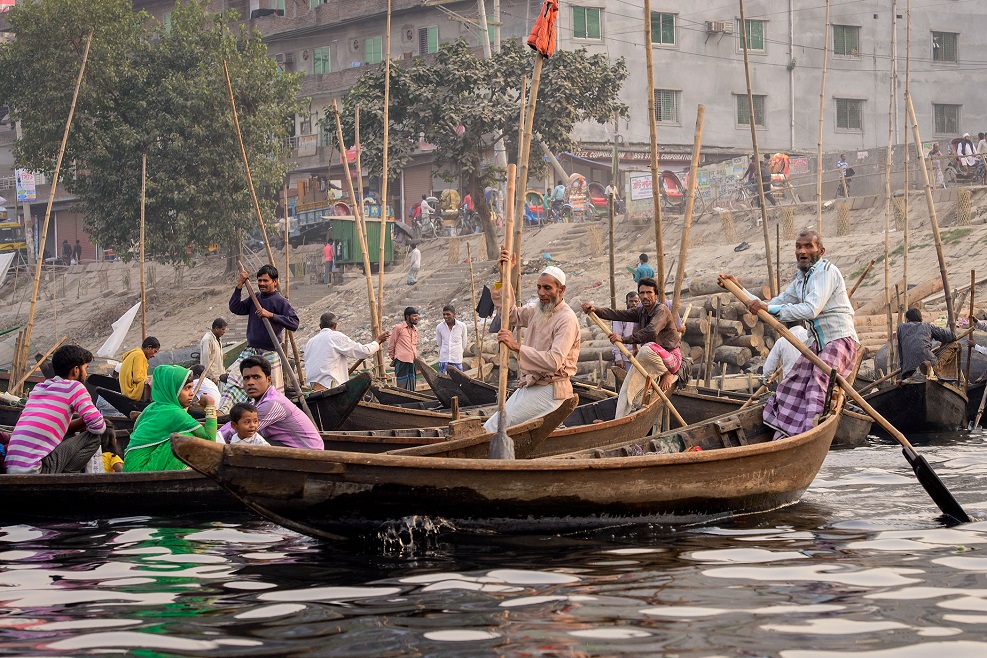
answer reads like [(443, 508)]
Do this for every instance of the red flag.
[(543, 34)]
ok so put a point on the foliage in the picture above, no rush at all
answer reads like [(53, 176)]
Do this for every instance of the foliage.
[(155, 91), (463, 104)]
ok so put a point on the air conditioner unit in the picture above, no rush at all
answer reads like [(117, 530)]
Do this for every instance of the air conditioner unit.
[(719, 27), (289, 58), (279, 58)]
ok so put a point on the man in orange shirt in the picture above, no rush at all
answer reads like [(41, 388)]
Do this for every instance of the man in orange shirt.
[(329, 256), (402, 347)]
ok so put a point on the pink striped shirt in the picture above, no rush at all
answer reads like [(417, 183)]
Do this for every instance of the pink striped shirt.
[(45, 420)]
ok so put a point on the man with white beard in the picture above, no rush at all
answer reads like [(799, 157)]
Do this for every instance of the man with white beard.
[(548, 357)]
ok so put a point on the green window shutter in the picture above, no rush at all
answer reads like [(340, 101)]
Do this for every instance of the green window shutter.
[(593, 24), (759, 110), (167, 23), (490, 30), (433, 39), (839, 40), (853, 41), (668, 28), (579, 22), (755, 35)]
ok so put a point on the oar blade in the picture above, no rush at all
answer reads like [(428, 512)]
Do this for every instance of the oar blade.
[(935, 488), (501, 445)]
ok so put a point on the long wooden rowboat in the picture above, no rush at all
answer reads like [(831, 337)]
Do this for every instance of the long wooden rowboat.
[(395, 395), (481, 392), (162, 493), (103, 381), (445, 389), (343, 492), (929, 406)]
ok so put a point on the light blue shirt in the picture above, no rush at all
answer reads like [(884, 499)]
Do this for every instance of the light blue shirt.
[(817, 298)]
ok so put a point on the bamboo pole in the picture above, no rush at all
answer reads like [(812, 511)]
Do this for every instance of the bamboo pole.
[(51, 200), (757, 152), (778, 257), (522, 175), (973, 322), (613, 280), (887, 187), (379, 354), (690, 203), (360, 229), (246, 165), (501, 445), (287, 244), (819, 145), (516, 268), (861, 279), (38, 363), (934, 220), (384, 179), (918, 147), (653, 129), (476, 319), (143, 286)]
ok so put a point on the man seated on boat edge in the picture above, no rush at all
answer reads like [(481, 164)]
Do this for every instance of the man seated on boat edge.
[(915, 345), (149, 448), (624, 329), (134, 380), (281, 422), (818, 297), (659, 341), (46, 439), (547, 359), (326, 353)]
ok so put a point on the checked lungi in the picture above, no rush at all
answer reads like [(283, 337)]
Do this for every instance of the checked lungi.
[(234, 392), (801, 395), (405, 374)]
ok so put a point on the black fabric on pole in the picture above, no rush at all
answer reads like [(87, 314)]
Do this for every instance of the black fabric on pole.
[(485, 307)]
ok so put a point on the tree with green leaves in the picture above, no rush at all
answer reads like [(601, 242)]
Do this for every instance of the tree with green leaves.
[(154, 90), (464, 104)]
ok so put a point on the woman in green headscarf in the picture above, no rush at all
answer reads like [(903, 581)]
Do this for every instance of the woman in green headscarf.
[(150, 445)]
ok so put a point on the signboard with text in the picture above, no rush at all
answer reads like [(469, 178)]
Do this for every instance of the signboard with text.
[(26, 188), (640, 187)]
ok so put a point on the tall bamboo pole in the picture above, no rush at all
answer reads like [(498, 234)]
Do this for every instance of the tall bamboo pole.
[(822, 103), (918, 147), (384, 179), (887, 188), (757, 152), (610, 212), (476, 319), (653, 129), (51, 200), (287, 244), (516, 269), (933, 220), (143, 286), (690, 202), (522, 168), (360, 230), (379, 355)]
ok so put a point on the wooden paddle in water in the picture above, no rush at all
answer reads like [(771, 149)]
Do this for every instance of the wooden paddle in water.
[(501, 445), (277, 346), (920, 466)]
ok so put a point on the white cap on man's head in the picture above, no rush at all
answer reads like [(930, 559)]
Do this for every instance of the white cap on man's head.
[(966, 134), (556, 273)]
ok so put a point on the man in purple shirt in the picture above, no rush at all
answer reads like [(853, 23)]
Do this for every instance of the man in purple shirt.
[(282, 316), (281, 422)]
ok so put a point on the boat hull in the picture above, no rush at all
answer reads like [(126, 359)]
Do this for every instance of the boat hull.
[(929, 406), (337, 492)]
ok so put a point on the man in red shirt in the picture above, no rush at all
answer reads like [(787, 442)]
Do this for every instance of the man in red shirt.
[(403, 349), (329, 256)]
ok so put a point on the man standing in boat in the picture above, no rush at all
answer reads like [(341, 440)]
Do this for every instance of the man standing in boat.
[(211, 350), (547, 359), (326, 353), (915, 343), (818, 298), (278, 311), (657, 330), (403, 348)]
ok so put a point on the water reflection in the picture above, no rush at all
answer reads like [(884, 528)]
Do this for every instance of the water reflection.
[(862, 567)]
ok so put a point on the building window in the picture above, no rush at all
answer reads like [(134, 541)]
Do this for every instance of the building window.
[(428, 40), (755, 36), (848, 114), (666, 106), (944, 46), (743, 110), (166, 19), (586, 23), (947, 119), (663, 29), (277, 4), (320, 60), (846, 40), (373, 50), (315, 3)]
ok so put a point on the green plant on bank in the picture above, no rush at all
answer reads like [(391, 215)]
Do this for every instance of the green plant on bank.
[(157, 90), (954, 235), (463, 104)]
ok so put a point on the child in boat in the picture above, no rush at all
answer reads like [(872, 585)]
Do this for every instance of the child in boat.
[(112, 462), (244, 420)]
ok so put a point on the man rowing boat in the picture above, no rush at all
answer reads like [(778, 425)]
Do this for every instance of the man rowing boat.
[(818, 298), (548, 357)]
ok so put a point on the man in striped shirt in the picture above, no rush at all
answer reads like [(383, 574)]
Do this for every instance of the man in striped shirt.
[(818, 299), (46, 438)]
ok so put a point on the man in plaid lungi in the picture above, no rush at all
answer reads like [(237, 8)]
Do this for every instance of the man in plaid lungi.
[(817, 298)]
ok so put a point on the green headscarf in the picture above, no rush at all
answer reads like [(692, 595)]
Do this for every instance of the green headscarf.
[(164, 415)]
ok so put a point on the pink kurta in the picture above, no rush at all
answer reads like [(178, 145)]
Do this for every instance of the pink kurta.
[(550, 348)]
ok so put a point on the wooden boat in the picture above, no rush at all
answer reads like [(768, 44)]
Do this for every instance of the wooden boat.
[(104, 381), (480, 392), (699, 404), (373, 416), (444, 387), (925, 406), (975, 393), (739, 470), (164, 493), (395, 395)]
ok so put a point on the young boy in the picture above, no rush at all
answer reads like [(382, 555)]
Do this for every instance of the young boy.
[(46, 438), (243, 419), (112, 463)]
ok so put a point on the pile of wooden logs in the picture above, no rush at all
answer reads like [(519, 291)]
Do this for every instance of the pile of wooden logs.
[(722, 337)]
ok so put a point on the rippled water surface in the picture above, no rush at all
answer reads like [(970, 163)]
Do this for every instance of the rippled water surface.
[(862, 567)]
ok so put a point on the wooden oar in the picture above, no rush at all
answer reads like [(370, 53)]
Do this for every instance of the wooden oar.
[(37, 365), (920, 466), (501, 445), (980, 410), (764, 387), (637, 365), (277, 346)]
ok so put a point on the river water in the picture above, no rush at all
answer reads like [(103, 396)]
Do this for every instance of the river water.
[(863, 566)]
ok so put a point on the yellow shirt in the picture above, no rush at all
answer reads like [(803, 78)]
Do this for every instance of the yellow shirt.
[(133, 374), (109, 459)]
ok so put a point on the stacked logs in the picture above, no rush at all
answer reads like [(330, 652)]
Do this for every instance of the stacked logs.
[(721, 336)]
